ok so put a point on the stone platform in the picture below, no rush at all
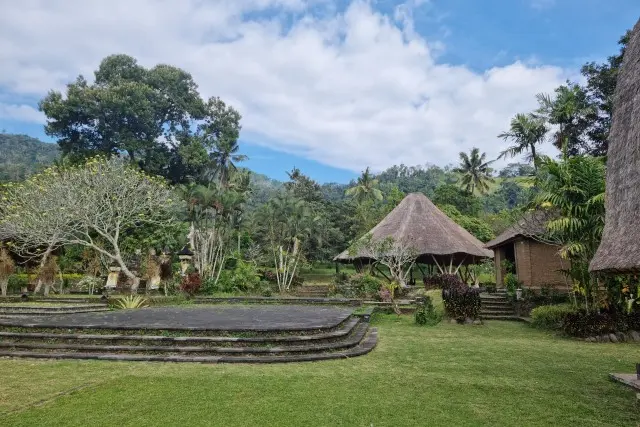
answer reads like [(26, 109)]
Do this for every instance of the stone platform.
[(214, 318), (207, 334)]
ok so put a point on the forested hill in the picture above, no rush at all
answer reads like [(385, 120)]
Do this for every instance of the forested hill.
[(22, 155)]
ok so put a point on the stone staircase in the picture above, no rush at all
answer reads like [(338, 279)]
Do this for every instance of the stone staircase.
[(313, 291), (496, 306), (353, 337), (48, 309)]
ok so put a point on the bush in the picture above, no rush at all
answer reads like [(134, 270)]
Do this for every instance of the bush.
[(425, 313), (366, 284), (16, 282), (550, 316), (460, 301), (583, 324), (191, 283), (242, 278)]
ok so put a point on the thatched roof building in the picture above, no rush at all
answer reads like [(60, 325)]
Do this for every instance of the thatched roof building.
[(419, 224), (619, 250), (535, 262)]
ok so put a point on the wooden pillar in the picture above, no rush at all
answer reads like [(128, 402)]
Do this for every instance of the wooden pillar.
[(497, 258)]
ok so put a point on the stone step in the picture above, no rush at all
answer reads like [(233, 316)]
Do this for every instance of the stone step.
[(27, 307), (501, 317), (363, 347), (60, 335), (71, 300), (37, 312), (485, 313), (278, 300), (353, 340)]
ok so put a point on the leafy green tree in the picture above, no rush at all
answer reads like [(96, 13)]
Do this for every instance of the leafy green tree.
[(600, 88), (365, 189), (475, 171), (154, 117), (480, 229), (526, 131), (571, 111), (465, 202)]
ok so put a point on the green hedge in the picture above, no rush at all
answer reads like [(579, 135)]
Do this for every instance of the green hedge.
[(550, 316)]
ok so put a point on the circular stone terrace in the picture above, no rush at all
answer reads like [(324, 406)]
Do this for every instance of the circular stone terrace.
[(204, 318)]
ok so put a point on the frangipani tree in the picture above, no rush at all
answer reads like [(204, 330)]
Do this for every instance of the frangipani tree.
[(95, 204), (34, 217), (398, 256)]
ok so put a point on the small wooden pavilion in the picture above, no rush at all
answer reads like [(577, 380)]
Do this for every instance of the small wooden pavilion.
[(436, 238), (536, 263)]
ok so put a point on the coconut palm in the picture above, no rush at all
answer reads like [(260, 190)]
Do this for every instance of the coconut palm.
[(526, 131), (223, 158), (475, 171), (366, 188)]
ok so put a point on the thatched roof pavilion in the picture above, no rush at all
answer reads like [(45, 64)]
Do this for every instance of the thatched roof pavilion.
[(619, 250), (418, 223)]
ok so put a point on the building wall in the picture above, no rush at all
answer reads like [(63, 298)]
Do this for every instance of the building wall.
[(538, 264)]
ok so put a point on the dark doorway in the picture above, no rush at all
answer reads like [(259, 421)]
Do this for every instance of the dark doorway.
[(510, 256)]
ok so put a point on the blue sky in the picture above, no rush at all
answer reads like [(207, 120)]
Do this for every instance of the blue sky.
[(328, 87)]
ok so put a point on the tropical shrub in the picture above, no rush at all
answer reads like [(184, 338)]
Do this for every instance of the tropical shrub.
[(582, 323), (425, 313), (550, 316), (243, 277), (131, 301), (16, 282), (191, 283), (460, 301)]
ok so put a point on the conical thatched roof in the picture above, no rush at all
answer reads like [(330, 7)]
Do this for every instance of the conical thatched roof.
[(619, 250), (417, 222)]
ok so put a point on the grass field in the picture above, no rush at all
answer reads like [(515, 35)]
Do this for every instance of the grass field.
[(500, 374)]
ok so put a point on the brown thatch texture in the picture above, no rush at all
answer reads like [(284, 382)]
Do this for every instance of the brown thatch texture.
[(531, 224), (419, 224), (619, 250)]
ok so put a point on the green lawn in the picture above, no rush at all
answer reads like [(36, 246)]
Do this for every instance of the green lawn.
[(500, 374)]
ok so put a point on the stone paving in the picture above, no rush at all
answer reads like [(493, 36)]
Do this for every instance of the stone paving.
[(221, 318)]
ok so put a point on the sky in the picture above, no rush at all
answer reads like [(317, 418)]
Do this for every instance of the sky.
[(330, 87)]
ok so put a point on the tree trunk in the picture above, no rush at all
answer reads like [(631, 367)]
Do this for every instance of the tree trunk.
[(43, 261), (535, 159), (135, 281), (3, 287)]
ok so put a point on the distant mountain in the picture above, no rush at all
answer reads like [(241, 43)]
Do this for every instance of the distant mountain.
[(22, 156)]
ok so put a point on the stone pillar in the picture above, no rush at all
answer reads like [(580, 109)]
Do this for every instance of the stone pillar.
[(185, 256), (112, 280)]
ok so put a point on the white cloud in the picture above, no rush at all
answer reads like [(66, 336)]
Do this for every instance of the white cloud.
[(350, 90), (20, 113)]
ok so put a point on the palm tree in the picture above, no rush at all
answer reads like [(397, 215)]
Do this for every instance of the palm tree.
[(223, 157), (475, 171), (366, 188), (526, 131)]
